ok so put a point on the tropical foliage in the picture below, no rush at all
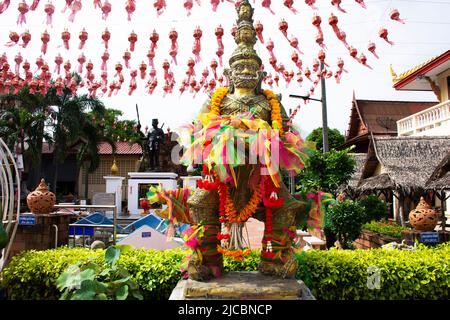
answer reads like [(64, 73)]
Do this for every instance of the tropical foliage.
[(335, 138)]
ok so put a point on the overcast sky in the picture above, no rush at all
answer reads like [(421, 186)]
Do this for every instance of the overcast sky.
[(424, 35)]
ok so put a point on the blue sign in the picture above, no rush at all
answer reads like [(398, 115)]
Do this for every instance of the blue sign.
[(429, 237), (146, 234), (28, 219)]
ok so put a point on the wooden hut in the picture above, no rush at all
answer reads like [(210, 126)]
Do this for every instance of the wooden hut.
[(400, 168), (439, 183)]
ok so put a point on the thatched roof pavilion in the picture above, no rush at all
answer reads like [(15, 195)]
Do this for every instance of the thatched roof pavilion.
[(440, 178), (403, 164), (351, 187)]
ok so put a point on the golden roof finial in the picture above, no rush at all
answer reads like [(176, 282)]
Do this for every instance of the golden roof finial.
[(114, 168), (393, 74)]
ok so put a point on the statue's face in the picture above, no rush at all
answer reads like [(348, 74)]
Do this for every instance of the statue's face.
[(245, 73), (245, 12)]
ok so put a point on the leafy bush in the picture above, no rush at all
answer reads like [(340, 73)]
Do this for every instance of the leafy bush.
[(344, 274), (345, 220), (386, 228), (95, 280), (332, 274), (374, 208), (33, 275)]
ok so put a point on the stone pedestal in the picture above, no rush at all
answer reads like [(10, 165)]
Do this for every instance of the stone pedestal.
[(139, 182), (243, 285), (114, 185)]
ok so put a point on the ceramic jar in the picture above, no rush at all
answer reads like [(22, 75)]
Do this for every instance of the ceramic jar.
[(41, 200), (423, 217)]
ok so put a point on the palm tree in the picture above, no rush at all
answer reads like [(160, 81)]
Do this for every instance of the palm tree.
[(23, 119)]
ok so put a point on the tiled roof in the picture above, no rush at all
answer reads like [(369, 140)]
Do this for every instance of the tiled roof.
[(121, 148)]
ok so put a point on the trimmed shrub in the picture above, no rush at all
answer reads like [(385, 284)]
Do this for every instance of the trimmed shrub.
[(345, 220), (345, 274), (374, 208), (385, 228), (332, 274)]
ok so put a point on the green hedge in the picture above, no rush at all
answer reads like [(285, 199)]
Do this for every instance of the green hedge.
[(32, 274), (332, 274), (343, 274), (385, 228)]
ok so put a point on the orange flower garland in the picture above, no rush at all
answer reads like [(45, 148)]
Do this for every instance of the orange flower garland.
[(229, 213), (216, 100), (237, 255), (277, 121)]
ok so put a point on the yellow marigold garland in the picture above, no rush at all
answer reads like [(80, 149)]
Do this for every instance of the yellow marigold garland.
[(237, 255), (277, 121)]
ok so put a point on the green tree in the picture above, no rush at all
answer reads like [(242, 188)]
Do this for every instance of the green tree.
[(30, 114), (345, 220), (116, 129), (335, 138), (326, 171)]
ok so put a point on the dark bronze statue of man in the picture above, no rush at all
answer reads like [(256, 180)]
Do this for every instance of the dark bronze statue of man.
[(155, 140)]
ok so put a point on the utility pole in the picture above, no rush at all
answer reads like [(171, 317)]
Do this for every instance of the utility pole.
[(324, 110), (325, 147)]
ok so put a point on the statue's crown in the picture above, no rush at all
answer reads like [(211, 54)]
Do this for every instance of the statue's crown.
[(245, 36)]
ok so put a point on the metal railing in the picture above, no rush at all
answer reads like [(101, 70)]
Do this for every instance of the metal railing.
[(81, 206), (424, 120)]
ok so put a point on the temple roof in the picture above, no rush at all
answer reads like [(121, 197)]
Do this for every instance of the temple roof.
[(412, 79)]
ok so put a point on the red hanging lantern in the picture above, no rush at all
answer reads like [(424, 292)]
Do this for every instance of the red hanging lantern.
[(311, 4), (307, 73), (67, 6), (372, 47), (154, 37), (119, 69), (233, 30), (159, 5), (133, 85), (290, 5), (106, 36), (361, 3), (59, 86), (151, 56), (23, 9), (173, 36), (126, 57), (83, 37), (132, 39), (215, 4), (340, 64), (266, 4), (45, 38), (58, 63), (188, 4), (319, 40), (106, 9), (18, 60), (337, 4), (383, 33), (89, 68), (220, 50), (363, 60), (130, 8), (67, 65), (4, 5), (294, 44), (97, 3), (259, 28), (105, 58), (283, 27), (49, 10), (395, 15), (26, 38), (316, 21), (14, 39), (81, 60), (197, 44), (342, 36), (75, 7), (65, 36), (321, 56), (142, 69), (353, 52), (213, 66)]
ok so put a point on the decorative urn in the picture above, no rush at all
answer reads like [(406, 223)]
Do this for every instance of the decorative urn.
[(423, 217), (41, 200)]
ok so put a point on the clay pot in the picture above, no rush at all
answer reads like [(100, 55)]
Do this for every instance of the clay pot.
[(41, 200), (423, 217)]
